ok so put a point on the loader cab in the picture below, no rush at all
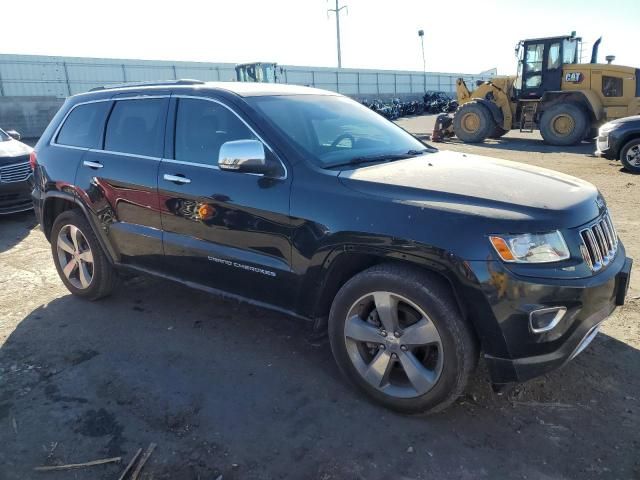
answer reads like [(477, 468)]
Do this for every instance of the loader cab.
[(261, 72), (540, 64)]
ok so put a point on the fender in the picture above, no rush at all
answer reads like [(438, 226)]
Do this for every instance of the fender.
[(588, 99), (345, 261), (496, 112), (111, 254)]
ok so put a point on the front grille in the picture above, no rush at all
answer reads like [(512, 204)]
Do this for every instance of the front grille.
[(599, 243), (18, 172)]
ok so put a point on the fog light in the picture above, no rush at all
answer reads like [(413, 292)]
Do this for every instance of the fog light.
[(546, 319)]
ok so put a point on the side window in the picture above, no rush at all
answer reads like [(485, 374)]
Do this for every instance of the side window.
[(83, 126), (533, 57), (553, 60), (136, 126), (201, 129), (611, 86)]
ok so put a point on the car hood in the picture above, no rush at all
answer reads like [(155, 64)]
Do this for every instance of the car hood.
[(634, 118), (11, 149), (499, 190)]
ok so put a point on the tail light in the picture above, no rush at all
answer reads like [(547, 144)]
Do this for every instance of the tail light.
[(33, 160)]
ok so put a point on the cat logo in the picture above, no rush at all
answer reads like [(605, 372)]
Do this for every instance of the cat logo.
[(573, 77)]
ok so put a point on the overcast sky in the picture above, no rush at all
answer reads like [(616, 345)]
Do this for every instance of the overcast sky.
[(460, 36)]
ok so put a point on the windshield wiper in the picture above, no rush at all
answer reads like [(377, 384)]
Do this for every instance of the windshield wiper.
[(388, 157)]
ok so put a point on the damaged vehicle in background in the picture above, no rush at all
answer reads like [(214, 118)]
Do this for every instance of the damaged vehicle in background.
[(306, 202), (16, 180)]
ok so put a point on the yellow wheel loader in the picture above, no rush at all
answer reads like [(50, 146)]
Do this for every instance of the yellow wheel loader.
[(553, 92)]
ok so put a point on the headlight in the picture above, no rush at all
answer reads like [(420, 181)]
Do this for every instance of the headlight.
[(607, 127), (531, 247)]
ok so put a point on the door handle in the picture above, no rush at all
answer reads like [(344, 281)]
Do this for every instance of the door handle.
[(176, 179), (89, 164)]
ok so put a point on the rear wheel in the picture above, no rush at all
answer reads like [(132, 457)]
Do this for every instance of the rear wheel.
[(78, 257), (473, 123), (397, 334), (563, 124), (630, 156)]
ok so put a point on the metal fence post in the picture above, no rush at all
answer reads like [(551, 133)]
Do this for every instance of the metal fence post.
[(175, 73), (313, 78), (378, 83), (124, 73), (395, 84), (358, 82), (66, 77), (337, 82), (1, 86)]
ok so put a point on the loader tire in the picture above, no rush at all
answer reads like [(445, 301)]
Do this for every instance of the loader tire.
[(473, 122), (564, 124)]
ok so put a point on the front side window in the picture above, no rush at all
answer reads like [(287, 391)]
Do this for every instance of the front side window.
[(331, 130), (553, 60), (136, 126), (201, 129), (83, 126), (611, 86), (534, 57), (570, 54)]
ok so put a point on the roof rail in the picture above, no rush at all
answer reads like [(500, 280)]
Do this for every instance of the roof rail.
[(182, 81)]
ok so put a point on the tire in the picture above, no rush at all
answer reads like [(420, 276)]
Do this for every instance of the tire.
[(564, 124), (498, 132), (442, 351), (91, 276), (473, 122), (630, 156)]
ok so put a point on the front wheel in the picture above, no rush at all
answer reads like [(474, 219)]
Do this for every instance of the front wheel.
[(78, 257), (397, 334), (630, 156), (473, 123)]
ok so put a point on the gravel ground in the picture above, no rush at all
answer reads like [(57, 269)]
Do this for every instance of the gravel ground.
[(232, 390)]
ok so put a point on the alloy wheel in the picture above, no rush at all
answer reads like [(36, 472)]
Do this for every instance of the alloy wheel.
[(393, 344), (633, 156), (75, 257)]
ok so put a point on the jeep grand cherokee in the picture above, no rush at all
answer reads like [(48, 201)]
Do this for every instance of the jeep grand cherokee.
[(304, 201)]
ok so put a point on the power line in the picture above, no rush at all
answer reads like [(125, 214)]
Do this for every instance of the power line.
[(337, 12)]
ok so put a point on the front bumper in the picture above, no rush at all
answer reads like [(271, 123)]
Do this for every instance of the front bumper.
[(16, 196), (519, 354)]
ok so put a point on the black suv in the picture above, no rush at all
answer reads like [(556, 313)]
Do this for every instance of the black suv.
[(620, 140), (307, 202)]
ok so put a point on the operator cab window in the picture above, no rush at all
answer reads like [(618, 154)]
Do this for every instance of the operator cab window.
[(83, 126), (136, 127), (201, 129), (553, 60), (611, 86)]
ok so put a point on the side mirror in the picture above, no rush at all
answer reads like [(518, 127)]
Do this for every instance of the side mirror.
[(13, 134), (243, 156)]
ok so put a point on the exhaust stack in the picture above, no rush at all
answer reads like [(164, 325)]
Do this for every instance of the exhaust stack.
[(594, 52)]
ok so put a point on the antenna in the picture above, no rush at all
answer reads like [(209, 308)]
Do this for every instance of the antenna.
[(337, 12)]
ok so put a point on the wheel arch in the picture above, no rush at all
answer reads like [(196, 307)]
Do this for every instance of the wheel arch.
[(56, 203), (586, 99), (345, 262)]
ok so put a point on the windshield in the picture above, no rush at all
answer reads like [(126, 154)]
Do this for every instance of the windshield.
[(333, 130), (4, 137)]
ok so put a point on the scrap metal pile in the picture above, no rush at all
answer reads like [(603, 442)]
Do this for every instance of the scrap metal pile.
[(432, 102)]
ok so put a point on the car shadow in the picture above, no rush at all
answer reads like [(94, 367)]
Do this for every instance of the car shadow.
[(15, 227), (228, 389)]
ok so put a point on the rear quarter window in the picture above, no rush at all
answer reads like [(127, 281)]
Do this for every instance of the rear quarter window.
[(136, 127), (83, 126)]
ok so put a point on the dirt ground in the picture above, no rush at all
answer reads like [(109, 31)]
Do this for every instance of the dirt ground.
[(230, 390)]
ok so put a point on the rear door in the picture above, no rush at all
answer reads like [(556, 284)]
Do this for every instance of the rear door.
[(226, 230), (118, 181)]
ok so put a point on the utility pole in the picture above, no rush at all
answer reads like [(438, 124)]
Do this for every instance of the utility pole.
[(337, 12), (424, 62)]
